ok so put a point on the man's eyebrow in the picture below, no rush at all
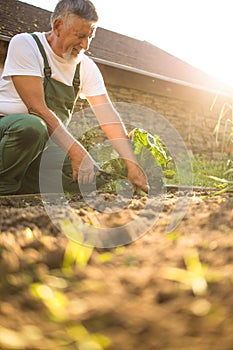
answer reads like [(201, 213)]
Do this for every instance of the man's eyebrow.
[(82, 34)]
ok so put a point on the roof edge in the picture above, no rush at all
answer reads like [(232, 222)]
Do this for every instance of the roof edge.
[(149, 74), (161, 77)]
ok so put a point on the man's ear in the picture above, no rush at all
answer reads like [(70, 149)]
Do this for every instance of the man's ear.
[(57, 26)]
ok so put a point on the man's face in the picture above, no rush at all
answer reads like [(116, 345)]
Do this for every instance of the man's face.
[(75, 37)]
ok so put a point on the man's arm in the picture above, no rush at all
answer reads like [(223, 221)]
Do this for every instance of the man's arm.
[(31, 91), (114, 129)]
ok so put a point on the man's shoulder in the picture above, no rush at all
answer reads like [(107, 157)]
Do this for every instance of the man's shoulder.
[(87, 61), (22, 37), (87, 57)]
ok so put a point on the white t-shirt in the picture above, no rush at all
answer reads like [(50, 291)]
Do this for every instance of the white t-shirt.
[(24, 58)]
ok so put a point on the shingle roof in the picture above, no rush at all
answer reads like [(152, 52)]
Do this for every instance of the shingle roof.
[(142, 55), (16, 17)]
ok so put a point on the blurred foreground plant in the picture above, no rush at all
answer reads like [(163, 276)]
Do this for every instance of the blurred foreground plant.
[(196, 275), (76, 255), (57, 303)]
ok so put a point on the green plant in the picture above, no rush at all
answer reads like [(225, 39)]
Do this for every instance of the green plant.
[(143, 143), (143, 140), (204, 169), (208, 172), (151, 154), (153, 157), (222, 184)]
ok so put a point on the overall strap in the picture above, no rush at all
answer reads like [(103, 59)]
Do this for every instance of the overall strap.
[(76, 80), (47, 69)]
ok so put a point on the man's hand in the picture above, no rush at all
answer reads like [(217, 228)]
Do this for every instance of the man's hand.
[(137, 178), (84, 171)]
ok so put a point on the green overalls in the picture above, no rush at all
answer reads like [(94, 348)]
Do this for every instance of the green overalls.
[(23, 139)]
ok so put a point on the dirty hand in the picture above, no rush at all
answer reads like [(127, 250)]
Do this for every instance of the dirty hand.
[(137, 178), (84, 171)]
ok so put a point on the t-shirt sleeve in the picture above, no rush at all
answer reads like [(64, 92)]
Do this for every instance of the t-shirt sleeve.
[(91, 79), (23, 57)]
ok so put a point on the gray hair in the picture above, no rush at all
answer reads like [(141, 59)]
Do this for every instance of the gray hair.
[(81, 8)]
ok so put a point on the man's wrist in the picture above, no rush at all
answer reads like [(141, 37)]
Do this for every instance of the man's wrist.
[(131, 164), (75, 149)]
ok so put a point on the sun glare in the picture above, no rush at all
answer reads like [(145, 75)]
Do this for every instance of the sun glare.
[(196, 31)]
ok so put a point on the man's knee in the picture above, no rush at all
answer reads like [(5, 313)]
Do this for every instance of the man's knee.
[(29, 128), (33, 127)]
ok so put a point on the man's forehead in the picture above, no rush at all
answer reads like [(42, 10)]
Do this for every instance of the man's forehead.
[(82, 23), (84, 31)]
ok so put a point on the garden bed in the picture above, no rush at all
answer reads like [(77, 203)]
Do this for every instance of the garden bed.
[(165, 290)]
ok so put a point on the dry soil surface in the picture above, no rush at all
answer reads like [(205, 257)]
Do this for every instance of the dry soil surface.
[(165, 290)]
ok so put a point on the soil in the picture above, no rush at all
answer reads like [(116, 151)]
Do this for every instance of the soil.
[(164, 290)]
